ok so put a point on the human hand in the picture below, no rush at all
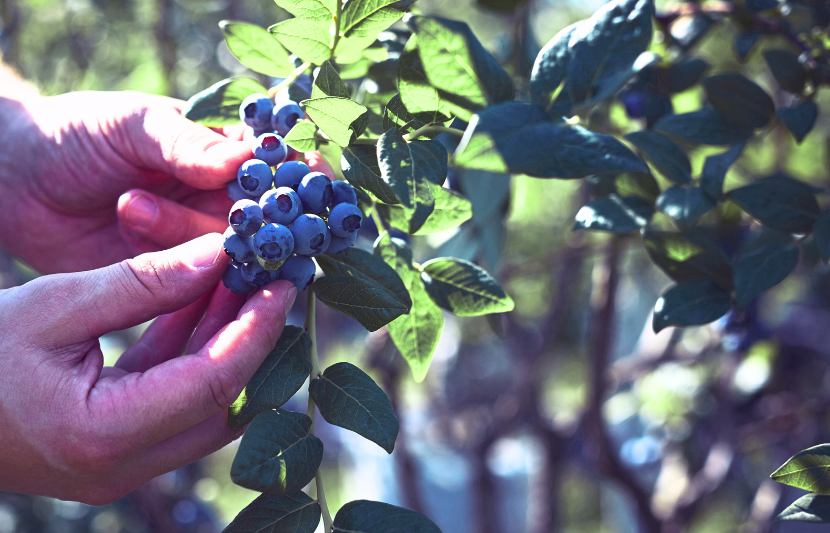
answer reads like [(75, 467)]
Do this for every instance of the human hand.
[(70, 158), (76, 430)]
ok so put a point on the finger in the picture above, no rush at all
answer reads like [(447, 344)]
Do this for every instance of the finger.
[(162, 221), (165, 339), (223, 308), (182, 392), (71, 308)]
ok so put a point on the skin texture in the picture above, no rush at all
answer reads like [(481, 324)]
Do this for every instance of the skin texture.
[(87, 182)]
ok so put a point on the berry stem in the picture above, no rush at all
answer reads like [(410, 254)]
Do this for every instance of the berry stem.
[(336, 37), (426, 130), (273, 91), (311, 328)]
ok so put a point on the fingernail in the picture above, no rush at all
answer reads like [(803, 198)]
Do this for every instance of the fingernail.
[(141, 212), (202, 252), (290, 296)]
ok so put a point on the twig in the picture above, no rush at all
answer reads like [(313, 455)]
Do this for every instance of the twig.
[(429, 129), (273, 91)]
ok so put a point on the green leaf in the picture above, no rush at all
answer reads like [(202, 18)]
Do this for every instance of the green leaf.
[(463, 288), (257, 49), (270, 513), (336, 117), (665, 155), (739, 100), (419, 98), (787, 70), (706, 126), (306, 39), (451, 210), (779, 202), (685, 74), (688, 256), (328, 83), (821, 232), (358, 263), (395, 115), (638, 184), (614, 213), (362, 516), (551, 67), (799, 118), (714, 170), (518, 137), (466, 76), (361, 168), (277, 453), (218, 105), (808, 469), (685, 205), (762, 269), (282, 374), (813, 508), (313, 10), (365, 301), (416, 333), (363, 20), (348, 398), (691, 303), (302, 136)]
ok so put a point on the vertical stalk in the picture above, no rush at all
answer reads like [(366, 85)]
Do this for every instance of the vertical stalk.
[(336, 38)]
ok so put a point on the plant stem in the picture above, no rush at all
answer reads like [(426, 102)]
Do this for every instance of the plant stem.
[(336, 37), (272, 92), (311, 328), (378, 220), (426, 130)]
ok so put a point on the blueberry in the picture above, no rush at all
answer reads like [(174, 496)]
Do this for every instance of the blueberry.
[(338, 244), (232, 279), (256, 275), (236, 193), (256, 111), (345, 219), (342, 193), (315, 192), (311, 235), (245, 217), (269, 148), (290, 174), (635, 103), (273, 242), (240, 249), (285, 116), (255, 177), (281, 206), (299, 270)]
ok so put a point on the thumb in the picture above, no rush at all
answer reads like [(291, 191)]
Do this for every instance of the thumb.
[(93, 303)]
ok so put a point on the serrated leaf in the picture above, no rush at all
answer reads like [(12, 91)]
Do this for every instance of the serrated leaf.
[(715, 168), (313, 10), (419, 98), (282, 374), (339, 118), (451, 210), (269, 513), (464, 288), (348, 398), (277, 453), (814, 508), (466, 76), (306, 39), (706, 126), (255, 48), (519, 137), (218, 105), (684, 204), (362, 516), (688, 256), (302, 136), (365, 301), (739, 100), (328, 83), (361, 168), (762, 269), (358, 263), (779, 202), (614, 213), (821, 232), (665, 155), (799, 119), (808, 469), (787, 70), (690, 303)]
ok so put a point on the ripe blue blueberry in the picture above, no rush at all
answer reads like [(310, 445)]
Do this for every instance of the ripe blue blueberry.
[(236, 193), (635, 103), (284, 116), (269, 147), (315, 192), (338, 244), (299, 270), (281, 206), (290, 174), (256, 275), (273, 242), (232, 279), (256, 111), (245, 217), (345, 219), (238, 248), (255, 177), (311, 235), (342, 193)]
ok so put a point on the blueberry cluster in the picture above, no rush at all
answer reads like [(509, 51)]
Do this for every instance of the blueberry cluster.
[(282, 218)]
